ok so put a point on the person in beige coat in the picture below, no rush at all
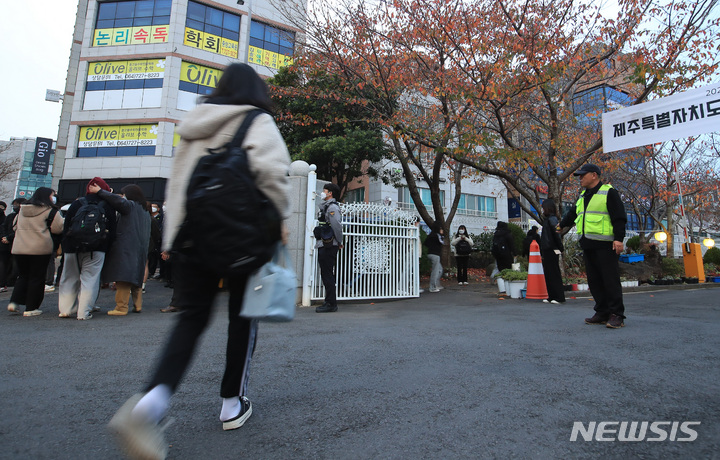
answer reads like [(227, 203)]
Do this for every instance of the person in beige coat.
[(32, 248), (210, 125)]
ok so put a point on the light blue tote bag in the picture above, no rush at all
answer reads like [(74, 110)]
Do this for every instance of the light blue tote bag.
[(271, 290)]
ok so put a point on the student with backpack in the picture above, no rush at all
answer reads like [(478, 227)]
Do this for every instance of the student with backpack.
[(463, 247), (502, 246), (205, 131), (87, 236)]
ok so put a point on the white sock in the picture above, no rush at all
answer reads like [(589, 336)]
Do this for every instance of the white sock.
[(230, 408), (154, 404)]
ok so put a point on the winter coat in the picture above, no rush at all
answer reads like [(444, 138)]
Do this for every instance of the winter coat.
[(333, 216), (6, 230), (212, 126), (434, 243), (32, 235), (68, 245), (503, 242), (457, 239), (127, 256), (550, 238)]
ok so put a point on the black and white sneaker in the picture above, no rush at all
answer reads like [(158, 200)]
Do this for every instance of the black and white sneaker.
[(239, 420)]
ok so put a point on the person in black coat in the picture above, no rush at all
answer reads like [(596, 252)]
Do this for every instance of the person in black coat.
[(435, 242), (503, 248), (8, 270), (550, 249), (126, 260)]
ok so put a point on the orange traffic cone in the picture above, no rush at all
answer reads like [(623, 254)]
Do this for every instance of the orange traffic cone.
[(536, 278)]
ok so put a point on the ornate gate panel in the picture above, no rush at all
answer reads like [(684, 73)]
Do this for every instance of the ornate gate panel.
[(380, 258)]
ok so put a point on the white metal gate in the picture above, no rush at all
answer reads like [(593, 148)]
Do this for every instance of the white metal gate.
[(380, 258)]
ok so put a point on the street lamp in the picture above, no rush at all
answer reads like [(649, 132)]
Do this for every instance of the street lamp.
[(660, 236), (708, 242)]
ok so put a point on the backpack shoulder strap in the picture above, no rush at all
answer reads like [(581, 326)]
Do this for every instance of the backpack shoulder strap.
[(83, 201), (244, 126), (51, 217)]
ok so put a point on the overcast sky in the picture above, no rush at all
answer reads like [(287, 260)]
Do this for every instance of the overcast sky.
[(34, 56)]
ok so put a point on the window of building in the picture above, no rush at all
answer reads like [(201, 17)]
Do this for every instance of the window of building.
[(477, 205), (406, 202), (355, 196), (212, 30), (132, 22), (270, 46)]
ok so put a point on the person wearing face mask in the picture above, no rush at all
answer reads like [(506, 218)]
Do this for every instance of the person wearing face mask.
[(32, 248), (328, 250), (8, 268), (463, 246), (155, 240), (434, 242), (3, 207)]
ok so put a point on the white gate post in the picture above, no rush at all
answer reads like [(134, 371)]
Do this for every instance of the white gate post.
[(308, 268)]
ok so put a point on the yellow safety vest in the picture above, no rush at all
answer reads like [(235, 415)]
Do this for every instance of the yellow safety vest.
[(594, 221)]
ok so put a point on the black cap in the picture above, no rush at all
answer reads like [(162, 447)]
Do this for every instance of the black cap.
[(587, 168)]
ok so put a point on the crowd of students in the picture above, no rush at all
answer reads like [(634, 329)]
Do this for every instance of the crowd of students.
[(105, 239)]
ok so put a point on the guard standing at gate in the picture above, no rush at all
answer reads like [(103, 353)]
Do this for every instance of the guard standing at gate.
[(600, 218), (328, 244)]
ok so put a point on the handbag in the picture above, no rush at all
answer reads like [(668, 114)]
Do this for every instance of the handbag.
[(271, 290)]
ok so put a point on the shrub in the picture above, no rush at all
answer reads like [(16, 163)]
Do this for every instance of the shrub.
[(710, 268), (712, 256), (483, 241), (633, 243), (512, 275), (672, 267), (518, 236)]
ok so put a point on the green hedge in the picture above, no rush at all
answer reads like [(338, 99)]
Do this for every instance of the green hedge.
[(712, 256)]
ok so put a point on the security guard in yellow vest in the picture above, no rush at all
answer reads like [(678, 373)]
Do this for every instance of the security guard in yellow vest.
[(600, 218)]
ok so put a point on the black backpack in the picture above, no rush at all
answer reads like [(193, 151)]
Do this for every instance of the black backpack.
[(89, 228), (230, 226), (463, 248)]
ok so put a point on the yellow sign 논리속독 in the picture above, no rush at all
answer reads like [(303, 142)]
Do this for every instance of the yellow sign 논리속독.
[(142, 35)]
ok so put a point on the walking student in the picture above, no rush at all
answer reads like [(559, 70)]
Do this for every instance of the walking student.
[(210, 125), (434, 242), (463, 247), (550, 249), (600, 218), (32, 248), (328, 248), (88, 235)]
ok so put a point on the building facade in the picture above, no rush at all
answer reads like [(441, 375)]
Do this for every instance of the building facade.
[(18, 178), (137, 66)]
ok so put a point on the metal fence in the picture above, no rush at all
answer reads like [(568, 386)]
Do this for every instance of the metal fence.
[(380, 258)]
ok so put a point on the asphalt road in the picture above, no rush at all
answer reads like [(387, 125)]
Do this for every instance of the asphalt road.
[(459, 374)]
